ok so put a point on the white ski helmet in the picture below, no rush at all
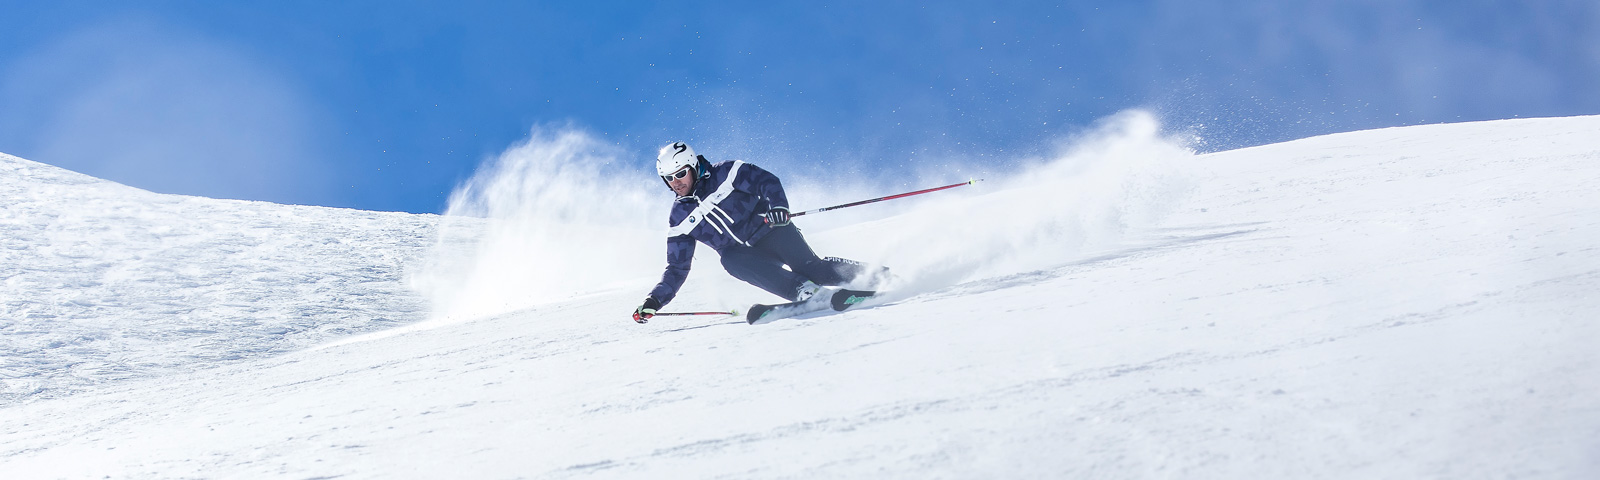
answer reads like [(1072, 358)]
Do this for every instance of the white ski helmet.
[(674, 157)]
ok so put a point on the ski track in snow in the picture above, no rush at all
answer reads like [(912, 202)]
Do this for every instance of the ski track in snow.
[(1397, 303)]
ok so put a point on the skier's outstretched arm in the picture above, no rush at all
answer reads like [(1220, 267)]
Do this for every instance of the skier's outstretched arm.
[(680, 255)]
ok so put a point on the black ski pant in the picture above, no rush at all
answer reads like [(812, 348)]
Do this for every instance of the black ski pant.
[(762, 264)]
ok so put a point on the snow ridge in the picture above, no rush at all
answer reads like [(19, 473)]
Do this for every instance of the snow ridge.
[(102, 282)]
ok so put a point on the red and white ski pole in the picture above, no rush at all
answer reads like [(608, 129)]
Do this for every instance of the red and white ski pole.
[(890, 197), (673, 314)]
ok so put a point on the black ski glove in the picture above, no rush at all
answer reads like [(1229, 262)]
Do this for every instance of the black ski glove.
[(644, 312), (777, 216)]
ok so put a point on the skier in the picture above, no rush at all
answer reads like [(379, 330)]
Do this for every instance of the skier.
[(739, 210)]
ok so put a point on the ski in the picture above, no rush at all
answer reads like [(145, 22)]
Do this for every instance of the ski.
[(836, 300), (761, 313)]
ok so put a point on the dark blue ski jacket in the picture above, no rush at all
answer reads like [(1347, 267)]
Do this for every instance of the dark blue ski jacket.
[(725, 209)]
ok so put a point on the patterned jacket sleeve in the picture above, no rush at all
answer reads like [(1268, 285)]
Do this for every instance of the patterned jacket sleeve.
[(680, 255), (762, 183)]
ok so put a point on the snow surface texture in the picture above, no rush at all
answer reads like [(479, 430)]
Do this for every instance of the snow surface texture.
[(1398, 303), (100, 281)]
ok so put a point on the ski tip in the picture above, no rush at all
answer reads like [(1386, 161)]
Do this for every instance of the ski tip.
[(846, 299)]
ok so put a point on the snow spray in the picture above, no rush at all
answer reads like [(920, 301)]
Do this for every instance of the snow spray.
[(559, 216), (553, 217), (1121, 174)]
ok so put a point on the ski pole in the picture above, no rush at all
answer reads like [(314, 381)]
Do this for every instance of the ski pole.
[(891, 197), (668, 314)]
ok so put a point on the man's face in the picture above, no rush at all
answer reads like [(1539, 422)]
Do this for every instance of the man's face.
[(684, 184)]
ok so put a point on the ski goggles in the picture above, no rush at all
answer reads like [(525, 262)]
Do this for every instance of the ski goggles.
[(682, 172)]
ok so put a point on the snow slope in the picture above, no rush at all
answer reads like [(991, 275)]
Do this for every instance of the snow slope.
[(1397, 303), (100, 281)]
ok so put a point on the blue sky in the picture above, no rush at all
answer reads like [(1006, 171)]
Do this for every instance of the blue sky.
[(388, 105)]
